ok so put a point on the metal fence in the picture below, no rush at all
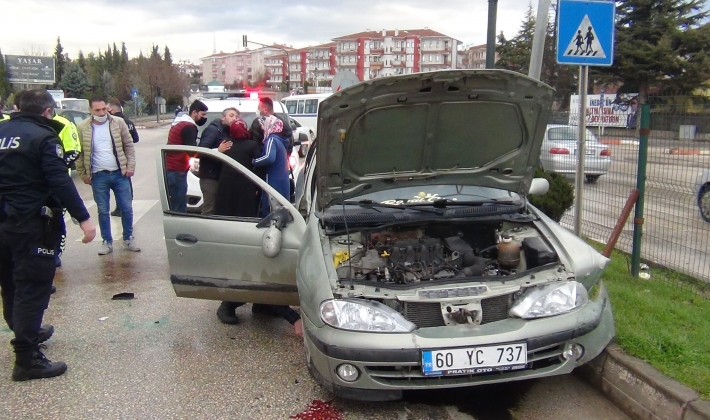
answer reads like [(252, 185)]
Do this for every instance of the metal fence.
[(675, 235)]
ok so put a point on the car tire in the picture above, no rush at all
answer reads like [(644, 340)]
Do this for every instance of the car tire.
[(591, 178), (704, 202)]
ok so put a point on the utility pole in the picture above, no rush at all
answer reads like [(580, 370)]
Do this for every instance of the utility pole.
[(491, 39)]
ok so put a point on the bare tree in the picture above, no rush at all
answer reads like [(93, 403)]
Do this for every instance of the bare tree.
[(37, 50)]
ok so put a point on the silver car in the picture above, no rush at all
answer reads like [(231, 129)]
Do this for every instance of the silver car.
[(414, 255), (559, 152)]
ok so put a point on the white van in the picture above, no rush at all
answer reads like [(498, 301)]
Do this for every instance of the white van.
[(72, 103), (304, 108)]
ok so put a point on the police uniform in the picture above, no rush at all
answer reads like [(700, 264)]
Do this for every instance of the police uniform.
[(4, 117), (34, 186), (69, 136)]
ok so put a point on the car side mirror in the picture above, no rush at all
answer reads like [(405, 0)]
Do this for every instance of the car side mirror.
[(539, 186), (272, 238), (302, 138)]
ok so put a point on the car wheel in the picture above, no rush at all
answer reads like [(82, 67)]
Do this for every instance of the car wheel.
[(592, 178), (704, 202)]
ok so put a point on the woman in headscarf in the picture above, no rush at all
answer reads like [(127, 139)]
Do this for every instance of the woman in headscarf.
[(236, 194), (275, 159)]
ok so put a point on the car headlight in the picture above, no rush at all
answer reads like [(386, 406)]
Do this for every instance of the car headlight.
[(551, 299), (363, 315)]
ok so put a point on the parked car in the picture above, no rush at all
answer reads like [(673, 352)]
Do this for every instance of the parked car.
[(72, 115), (559, 152), (703, 189), (248, 111), (414, 255)]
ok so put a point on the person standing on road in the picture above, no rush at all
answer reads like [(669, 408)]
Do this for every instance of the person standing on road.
[(107, 162), (266, 108), (274, 158), (215, 136), (115, 109), (182, 132), (69, 136), (34, 186)]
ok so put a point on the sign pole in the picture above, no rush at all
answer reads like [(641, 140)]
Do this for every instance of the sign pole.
[(581, 141)]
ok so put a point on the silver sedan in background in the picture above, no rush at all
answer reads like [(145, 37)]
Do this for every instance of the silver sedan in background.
[(559, 152)]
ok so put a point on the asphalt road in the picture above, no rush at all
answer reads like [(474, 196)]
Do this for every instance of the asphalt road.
[(674, 233), (162, 357)]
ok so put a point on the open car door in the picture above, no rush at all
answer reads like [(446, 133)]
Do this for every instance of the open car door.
[(223, 257)]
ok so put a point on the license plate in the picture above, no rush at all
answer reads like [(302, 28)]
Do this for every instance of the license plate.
[(474, 360), (587, 152)]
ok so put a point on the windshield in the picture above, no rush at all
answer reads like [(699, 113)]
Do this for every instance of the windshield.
[(76, 104)]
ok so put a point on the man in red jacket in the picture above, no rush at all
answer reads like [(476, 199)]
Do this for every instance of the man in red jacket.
[(183, 132)]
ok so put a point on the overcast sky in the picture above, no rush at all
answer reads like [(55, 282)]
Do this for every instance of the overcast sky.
[(189, 28)]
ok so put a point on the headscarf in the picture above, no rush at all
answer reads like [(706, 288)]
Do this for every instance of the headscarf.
[(238, 129), (271, 125)]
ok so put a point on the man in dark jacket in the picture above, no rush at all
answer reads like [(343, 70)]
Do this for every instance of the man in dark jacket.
[(215, 136), (114, 108), (183, 132), (266, 108), (34, 186)]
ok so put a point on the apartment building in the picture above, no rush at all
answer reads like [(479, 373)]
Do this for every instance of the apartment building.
[(227, 68), (373, 54), (368, 54), (474, 57)]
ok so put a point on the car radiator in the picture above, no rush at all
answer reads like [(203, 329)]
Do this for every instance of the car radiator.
[(425, 315)]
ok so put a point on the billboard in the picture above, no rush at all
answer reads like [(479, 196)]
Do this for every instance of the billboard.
[(30, 69), (606, 110)]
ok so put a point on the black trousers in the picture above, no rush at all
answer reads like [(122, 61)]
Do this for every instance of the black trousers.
[(26, 275)]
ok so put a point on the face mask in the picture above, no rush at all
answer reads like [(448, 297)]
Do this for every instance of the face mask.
[(100, 119), (201, 121)]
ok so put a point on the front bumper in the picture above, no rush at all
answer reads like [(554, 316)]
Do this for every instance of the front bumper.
[(391, 363)]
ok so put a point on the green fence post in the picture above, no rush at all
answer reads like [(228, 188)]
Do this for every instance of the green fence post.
[(641, 187)]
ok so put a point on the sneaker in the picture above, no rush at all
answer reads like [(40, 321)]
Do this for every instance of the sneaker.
[(36, 367), (116, 212), (106, 248), (131, 244)]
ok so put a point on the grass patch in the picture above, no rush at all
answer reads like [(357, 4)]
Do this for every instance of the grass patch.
[(662, 321)]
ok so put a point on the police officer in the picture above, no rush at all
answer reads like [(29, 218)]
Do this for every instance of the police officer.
[(69, 137), (34, 186)]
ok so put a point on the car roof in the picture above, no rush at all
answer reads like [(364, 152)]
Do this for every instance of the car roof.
[(242, 104), (307, 96)]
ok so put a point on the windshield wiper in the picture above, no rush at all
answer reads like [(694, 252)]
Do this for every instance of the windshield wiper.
[(369, 204), (445, 202)]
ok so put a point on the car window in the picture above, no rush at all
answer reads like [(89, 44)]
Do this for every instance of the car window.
[(291, 106), (567, 134), (311, 106), (300, 107), (294, 123)]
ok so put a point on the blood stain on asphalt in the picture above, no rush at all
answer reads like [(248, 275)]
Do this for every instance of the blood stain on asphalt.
[(319, 410)]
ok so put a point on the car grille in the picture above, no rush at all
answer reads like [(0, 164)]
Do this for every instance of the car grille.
[(411, 376), (425, 315)]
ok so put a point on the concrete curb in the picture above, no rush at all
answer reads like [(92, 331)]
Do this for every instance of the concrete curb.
[(641, 391)]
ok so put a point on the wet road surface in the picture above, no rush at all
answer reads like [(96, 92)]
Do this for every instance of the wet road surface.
[(161, 357)]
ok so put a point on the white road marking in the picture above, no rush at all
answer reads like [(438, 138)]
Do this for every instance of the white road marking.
[(140, 208)]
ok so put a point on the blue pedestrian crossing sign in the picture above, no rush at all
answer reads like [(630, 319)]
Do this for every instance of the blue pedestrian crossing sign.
[(585, 32)]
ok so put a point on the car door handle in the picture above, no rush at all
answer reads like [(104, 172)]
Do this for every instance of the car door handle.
[(186, 238)]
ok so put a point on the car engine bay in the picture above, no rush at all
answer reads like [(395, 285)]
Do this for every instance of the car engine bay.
[(436, 251)]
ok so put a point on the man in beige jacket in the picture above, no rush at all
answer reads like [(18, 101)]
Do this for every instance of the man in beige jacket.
[(106, 163)]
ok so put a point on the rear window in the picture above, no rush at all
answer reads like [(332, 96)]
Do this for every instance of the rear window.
[(567, 134)]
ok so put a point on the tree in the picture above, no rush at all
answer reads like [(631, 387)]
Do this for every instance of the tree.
[(81, 61), (515, 54), (167, 57), (75, 81), (107, 85), (659, 44), (5, 86), (58, 63)]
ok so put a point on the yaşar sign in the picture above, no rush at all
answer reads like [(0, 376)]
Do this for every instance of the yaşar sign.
[(30, 69)]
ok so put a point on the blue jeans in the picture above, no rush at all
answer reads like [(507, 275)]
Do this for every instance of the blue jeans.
[(102, 183), (177, 191)]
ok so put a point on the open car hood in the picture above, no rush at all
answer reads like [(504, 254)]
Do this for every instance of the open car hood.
[(454, 127)]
